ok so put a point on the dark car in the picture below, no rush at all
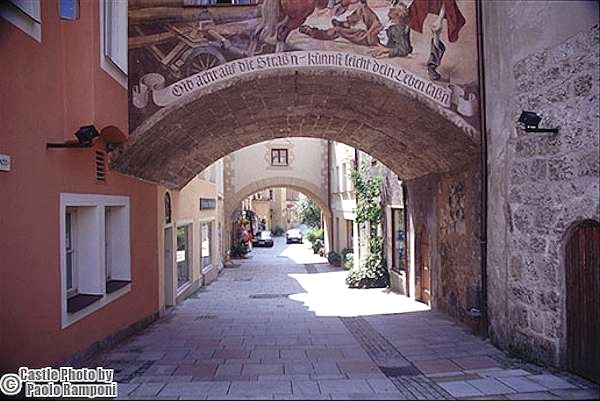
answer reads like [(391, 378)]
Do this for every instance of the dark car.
[(293, 235), (262, 238)]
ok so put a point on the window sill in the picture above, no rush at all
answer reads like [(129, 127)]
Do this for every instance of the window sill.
[(81, 301), (68, 317), (115, 285)]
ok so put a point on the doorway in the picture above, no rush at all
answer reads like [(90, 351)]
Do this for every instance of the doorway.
[(423, 271), (582, 262), (168, 246)]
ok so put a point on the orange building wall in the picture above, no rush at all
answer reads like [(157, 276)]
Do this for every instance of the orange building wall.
[(47, 91)]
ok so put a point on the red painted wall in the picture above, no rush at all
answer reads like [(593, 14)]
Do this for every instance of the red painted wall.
[(47, 91)]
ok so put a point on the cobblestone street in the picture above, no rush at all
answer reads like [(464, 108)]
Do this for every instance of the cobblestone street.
[(283, 325)]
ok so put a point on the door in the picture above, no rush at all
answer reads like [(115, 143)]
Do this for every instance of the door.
[(169, 284), (423, 273), (583, 300)]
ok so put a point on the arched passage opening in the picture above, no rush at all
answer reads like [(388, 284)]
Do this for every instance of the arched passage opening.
[(308, 189), (431, 148)]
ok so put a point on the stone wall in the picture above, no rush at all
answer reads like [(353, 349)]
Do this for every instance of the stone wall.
[(458, 276), (447, 208), (421, 204), (553, 184), (542, 57)]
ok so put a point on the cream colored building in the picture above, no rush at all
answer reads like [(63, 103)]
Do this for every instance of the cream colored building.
[(294, 164), (342, 161), (273, 208), (191, 235)]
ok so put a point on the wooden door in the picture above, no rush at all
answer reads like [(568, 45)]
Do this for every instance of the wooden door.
[(423, 274), (583, 300)]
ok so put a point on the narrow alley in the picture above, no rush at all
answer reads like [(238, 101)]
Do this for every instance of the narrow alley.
[(281, 324)]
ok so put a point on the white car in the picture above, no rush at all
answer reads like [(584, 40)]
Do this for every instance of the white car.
[(293, 235)]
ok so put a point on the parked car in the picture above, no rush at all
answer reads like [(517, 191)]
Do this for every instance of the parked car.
[(293, 235), (263, 238)]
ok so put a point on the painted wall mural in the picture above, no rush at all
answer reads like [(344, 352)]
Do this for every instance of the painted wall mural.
[(181, 46)]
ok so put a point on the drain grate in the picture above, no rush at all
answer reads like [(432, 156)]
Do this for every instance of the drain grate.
[(269, 296), (206, 317), (399, 371), (419, 388), (141, 369), (243, 279)]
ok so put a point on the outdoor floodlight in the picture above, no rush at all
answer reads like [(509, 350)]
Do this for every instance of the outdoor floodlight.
[(530, 121), (85, 135)]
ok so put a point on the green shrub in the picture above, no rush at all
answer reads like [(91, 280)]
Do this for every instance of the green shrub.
[(313, 234), (373, 274), (334, 258), (278, 231), (239, 250), (347, 258), (318, 245)]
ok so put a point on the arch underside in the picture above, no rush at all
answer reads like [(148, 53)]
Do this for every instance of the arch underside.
[(411, 135), (309, 189)]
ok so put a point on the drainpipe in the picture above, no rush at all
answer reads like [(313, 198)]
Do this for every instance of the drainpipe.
[(484, 172), (330, 233)]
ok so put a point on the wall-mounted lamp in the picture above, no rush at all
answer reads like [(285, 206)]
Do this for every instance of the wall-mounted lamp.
[(85, 135), (530, 121)]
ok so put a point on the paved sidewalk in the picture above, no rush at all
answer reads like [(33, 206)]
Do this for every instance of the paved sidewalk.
[(283, 325)]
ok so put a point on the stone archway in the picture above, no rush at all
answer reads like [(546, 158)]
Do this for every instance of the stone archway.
[(424, 143), (412, 135), (307, 188)]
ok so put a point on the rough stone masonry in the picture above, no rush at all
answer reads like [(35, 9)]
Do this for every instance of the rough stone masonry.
[(553, 184)]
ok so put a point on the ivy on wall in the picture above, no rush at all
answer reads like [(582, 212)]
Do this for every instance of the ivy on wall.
[(371, 272)]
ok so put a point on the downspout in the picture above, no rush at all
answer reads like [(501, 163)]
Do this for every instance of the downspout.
[(484, 172), (331, 228)]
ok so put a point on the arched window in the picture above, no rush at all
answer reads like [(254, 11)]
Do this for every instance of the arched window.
[(167, 208)]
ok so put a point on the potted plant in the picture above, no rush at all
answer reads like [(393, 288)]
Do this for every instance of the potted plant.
[(347, 258), (334, 258), (318, 247)]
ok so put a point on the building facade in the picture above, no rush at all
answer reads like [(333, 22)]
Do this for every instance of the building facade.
[(99, 132), (81, 272)]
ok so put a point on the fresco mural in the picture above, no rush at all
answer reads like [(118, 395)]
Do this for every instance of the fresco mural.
[(177, 47)]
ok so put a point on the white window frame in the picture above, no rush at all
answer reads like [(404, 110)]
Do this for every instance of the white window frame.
[(73, 250), (107, 245), (190, 255), (279, 152), (211, 226), (117, 73), (91, 249), (27, 19)]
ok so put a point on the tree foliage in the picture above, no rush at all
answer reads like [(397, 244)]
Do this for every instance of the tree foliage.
[(308, 212)]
